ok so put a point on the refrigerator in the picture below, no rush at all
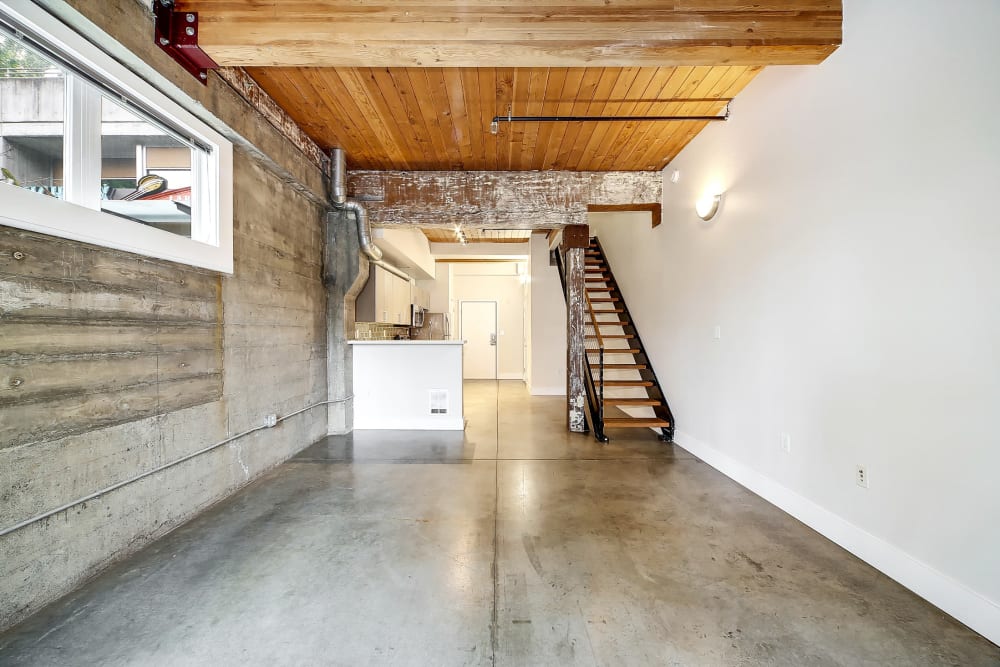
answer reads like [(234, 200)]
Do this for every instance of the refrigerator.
[(436, 327)]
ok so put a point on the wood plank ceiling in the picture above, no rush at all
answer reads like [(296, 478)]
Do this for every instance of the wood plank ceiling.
[(439, 118), (414, 85)]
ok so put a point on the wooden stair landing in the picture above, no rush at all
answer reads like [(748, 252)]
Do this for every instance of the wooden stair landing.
[(635, 422)]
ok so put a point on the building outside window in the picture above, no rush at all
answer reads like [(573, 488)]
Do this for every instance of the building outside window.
[(76, 126)]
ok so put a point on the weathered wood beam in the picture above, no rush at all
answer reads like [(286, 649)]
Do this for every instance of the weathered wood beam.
[(522, 33), (575, 240), (512, 199), (264, 104)]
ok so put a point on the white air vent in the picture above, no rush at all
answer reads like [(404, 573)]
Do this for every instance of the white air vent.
[(439, 401)]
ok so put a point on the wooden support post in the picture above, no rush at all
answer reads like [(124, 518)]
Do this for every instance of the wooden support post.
[(575, 240)]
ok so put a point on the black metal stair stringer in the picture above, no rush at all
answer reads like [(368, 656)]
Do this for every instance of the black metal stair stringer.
[(662, 411)]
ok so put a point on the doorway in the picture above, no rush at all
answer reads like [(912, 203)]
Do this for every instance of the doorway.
[(478, 328)]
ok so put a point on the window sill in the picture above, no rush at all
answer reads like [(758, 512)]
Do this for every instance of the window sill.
[(47, 215)]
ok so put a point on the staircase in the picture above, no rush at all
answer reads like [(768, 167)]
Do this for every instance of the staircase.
[(620, 374)]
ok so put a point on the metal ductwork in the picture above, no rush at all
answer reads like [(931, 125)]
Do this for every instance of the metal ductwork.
[(338, 196)]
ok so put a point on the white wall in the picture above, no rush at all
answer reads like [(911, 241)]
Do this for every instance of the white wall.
[(854, 273), (547, 360), (408, 249), (479, 250), (500, 282), (439, 288)]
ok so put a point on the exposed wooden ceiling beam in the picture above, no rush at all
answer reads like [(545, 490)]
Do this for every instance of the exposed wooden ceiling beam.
[(517, 33), (521, 200)]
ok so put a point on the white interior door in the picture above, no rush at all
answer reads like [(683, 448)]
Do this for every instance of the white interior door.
[(479, 330)]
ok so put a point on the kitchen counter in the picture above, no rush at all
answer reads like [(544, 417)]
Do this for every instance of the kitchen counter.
[(408, 384), (406, 342)]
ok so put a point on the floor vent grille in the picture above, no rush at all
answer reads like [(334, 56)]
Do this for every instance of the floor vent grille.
[(439, 401)]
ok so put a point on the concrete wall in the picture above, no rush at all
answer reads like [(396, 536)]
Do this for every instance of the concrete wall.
[(853, 274), (127, 363), (32, 100)]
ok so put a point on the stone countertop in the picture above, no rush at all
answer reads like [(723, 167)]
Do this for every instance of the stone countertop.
[(406, 342)]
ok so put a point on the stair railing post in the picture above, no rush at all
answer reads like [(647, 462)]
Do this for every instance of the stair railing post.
[(597, 413), (575, 240), (600, 397)]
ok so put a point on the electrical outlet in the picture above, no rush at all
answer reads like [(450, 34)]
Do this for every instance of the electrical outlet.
[(270, 420), (786, 443), (861, 476)]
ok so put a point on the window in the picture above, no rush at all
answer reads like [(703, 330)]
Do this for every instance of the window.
[(32, 98), (132, 168)]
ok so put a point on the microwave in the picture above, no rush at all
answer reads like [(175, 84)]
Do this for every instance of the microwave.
[(417, 316)]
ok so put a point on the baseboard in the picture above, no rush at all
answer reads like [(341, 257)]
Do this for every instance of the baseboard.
[(547, 391), (976, 611)]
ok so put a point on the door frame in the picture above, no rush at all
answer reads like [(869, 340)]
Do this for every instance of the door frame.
[(496, 331)]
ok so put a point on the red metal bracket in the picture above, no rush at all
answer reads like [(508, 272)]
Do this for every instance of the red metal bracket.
[(177, 34)]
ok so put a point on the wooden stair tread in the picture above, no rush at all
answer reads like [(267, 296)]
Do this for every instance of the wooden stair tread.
[(612, 336), (634, 422), (613, 323), (628, 367), (613, 299), (625, 383), (613, 350), (609, 311), (652, 402), (600, 289)]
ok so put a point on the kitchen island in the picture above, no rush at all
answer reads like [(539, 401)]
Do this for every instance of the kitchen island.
[(408, 384)]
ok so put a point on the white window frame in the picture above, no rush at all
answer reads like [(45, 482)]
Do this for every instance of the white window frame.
[(78, 215)]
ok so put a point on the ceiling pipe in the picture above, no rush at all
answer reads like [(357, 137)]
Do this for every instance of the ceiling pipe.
[(495, 123), (340, 201)]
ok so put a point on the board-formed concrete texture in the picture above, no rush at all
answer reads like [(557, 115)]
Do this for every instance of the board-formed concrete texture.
[(513, 543), (142, 362), (113, 364)]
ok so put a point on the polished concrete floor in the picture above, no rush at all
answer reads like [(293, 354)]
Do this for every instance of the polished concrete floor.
[(514, 543)]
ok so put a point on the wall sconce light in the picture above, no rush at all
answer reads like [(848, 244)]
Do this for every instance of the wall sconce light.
[(708, 206)]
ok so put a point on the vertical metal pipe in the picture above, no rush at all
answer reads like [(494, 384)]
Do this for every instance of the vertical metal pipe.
[(338, 171)]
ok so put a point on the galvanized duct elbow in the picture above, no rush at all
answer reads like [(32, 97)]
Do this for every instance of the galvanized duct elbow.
[(364, 229), (338, 196)]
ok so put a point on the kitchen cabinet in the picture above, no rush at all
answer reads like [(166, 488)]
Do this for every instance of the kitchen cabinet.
[(385, 299), (398, 301), (421, 297)]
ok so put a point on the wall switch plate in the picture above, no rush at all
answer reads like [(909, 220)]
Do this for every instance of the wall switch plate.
[(270, 420), (861, 476), (786, 443), (717, 332)]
